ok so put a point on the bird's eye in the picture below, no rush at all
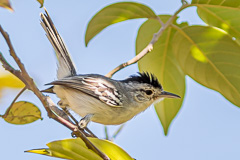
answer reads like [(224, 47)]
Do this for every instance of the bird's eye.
[(149, 92)]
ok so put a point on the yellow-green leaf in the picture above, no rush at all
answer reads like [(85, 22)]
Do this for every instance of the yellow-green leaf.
[(76, 149), (223, 14), (43, 151), (6, 4), (10, 81), (113, 151), (115, 13), (22, 112), (162, 63), (211, 57), (41, 2)]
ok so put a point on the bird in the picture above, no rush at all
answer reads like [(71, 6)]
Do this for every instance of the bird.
[(95, 97)]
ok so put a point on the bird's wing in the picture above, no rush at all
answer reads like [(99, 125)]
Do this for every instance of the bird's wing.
[(96, 87), (65, 65)]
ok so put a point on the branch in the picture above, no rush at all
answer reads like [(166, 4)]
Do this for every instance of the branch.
[(22, 74), (52, 110), (11, 50), (78, 132), (149, 47), (27, 80)]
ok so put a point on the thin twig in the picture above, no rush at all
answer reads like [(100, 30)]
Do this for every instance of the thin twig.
[(12, 51), (160, 20), (149, 47), (106, 133), (9, 108), (8, 67), (62, 120), (76, 123), (117, 132), (90, 132), (46, 101)]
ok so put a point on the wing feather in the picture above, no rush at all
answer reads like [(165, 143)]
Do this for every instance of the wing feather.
[(95, 87)]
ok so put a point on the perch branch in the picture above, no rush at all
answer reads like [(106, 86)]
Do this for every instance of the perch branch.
[(27, 80), (46, 101), (80, 133)]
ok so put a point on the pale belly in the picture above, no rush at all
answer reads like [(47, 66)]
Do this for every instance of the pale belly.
[(84, 104)]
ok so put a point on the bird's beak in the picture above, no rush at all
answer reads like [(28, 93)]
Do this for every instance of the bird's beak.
[(169, 95)]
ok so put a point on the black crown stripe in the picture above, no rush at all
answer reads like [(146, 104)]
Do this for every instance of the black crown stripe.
[(144, 77)]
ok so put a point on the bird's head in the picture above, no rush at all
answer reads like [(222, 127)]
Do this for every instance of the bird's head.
[(147, 88)]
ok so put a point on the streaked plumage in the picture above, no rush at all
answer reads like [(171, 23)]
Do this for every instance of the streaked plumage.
[(96, 97)]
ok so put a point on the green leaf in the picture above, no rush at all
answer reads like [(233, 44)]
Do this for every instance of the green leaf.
[(211, 57), (76, 149), (22, 112), (162, 63), (6, 4), (222, 14), (41, 2), (115, 13)]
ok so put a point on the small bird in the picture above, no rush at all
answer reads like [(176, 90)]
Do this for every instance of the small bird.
[(95, 97)]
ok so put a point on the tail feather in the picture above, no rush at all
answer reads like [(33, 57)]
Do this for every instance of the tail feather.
[(65, 64)]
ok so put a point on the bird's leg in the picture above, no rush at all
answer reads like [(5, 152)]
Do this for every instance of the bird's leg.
[(85, 120), (66, 110), (64, 107), (82, 121)]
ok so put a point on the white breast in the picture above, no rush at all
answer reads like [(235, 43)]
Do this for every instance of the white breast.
[(84, 104)]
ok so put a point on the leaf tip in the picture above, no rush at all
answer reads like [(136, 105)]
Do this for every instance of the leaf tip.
[(86, 43), (41, 3), (7, 6), (166, 132), (10, 9), (43, 151), (87, 38)]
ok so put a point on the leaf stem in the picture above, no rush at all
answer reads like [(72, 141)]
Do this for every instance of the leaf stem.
[(160, 20), (9, 108), (117, 132), (106, 133)]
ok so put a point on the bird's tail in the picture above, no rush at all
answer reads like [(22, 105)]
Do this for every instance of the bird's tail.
[(65, 64)]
